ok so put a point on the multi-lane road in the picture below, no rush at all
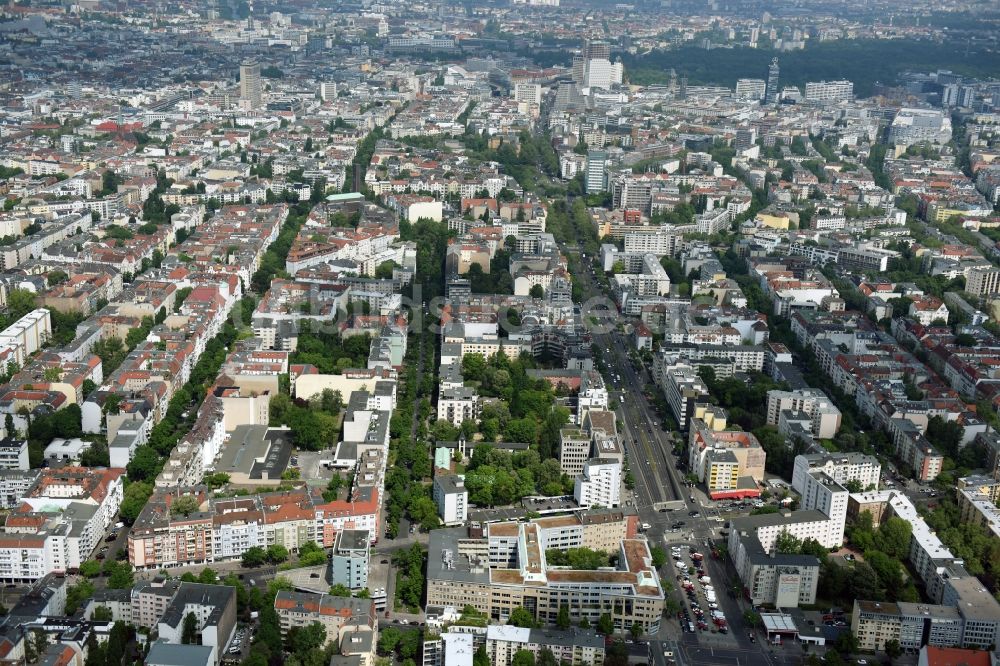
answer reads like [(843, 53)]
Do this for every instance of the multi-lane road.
[(663, 499)]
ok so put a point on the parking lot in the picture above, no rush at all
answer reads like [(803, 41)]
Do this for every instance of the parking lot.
[(310, 469), (241, 641), (702, 613)]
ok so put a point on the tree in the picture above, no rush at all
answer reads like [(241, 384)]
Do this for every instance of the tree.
[(340, 590), (208, 576), (523, 658), (145, 464), (787, 543), (102, 614), (135, 498), (388, 639), (521, 617), (893, 537), (636, 631), (563, 621), (189, 634), (185, 505), (536, 291), (605, 625), (481, 658), (121, 577), (892, 648), (254, 557), (276, 553), (90, 568), (659, 556)]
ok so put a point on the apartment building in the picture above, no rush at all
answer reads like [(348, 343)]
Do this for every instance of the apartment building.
[(574, 646), (452, 498), (824, 414), (14, 454), (339, 616), (977, 501), (785, 580), (349, 560), (214, 609), (915, 450), (683, 389), (225, 528), (982, 281), (823, 493), (730, 463), (967, 619), (841, 467), (458, 404), (26, 335)]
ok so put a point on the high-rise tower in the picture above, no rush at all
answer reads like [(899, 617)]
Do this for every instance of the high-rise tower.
[(251, 91), (771, 90)]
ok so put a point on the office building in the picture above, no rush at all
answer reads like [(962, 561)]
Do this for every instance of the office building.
[(574, 450), (771, 88), (530, 93), (502, 566), (912, 126), (829, 91), (751, 88), (599, 484), (596, 179), (251, 89)]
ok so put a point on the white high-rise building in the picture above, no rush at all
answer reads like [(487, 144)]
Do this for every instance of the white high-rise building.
[(528, 92), (750, 88), (600, 484), (841, 467), (829, 91)]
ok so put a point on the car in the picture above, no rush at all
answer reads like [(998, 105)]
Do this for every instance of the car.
[(694, 513)]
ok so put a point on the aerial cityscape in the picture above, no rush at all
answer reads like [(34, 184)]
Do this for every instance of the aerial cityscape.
[(499, 333)]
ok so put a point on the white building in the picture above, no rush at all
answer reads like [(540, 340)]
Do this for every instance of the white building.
[(912, 126), (528, 92), (829, 91), (841, 467), (458, 404), (824, 414), (750, 88), (452, 498), (27, 335), (600, 484), (14, 454), (823, 493)]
